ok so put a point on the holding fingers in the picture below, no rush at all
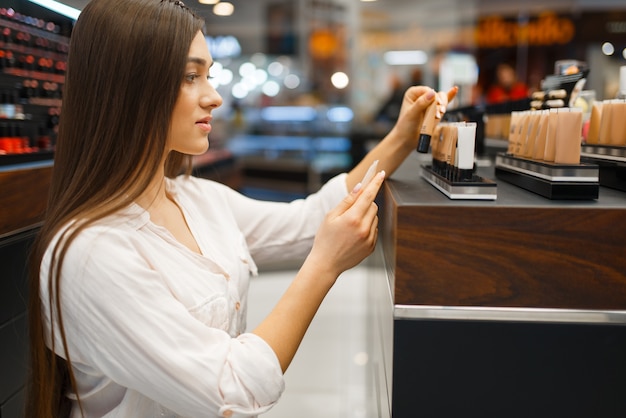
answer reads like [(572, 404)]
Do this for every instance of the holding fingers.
[(349, 231)]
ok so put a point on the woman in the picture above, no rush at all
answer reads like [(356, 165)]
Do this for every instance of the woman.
[(140, 273)]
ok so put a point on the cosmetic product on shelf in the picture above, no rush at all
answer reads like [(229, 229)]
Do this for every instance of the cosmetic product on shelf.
[(33, 57), (452, 170), (606, 142), (553, 169)]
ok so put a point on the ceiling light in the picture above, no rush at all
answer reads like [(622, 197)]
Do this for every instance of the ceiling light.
[(608, 48), (405, 57), (208, 1), (223, 9), (60, 8), (340, 80)]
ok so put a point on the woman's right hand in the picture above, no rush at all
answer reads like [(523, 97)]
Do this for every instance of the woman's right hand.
[(349, 231), (347, 235)]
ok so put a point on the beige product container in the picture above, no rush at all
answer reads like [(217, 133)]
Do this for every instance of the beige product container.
[(540, 141), (593, 134), (553, 122), (568, 136), (604, 132), (533, 128), (618, 123), (513, 131), (522, 136)]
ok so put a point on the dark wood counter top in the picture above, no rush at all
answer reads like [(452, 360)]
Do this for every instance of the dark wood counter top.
[(24, 196), (521, 250)]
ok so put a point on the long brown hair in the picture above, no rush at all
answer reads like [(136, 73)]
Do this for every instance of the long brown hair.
[(125, 69)]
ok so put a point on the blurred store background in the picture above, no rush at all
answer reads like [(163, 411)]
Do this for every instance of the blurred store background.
[(308, 85)]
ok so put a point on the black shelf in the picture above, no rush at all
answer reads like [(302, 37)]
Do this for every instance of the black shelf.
[(550, 180), (612, 163), (31, 157)]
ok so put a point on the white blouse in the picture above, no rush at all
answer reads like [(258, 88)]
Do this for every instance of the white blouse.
[(156, 330)]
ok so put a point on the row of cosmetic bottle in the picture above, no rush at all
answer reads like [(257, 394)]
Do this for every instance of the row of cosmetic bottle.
[(14, 141), (549, 135), (28, 91), (10, 59), (452, 146), (607, 123)]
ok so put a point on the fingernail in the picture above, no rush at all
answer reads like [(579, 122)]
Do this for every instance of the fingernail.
[(430, 94), (382, 174), (357, 187)]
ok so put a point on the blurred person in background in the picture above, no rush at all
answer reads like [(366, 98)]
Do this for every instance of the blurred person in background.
[(506, 87), (390, 109)]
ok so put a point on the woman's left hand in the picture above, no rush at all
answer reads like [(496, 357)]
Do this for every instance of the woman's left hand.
[(414, 104)]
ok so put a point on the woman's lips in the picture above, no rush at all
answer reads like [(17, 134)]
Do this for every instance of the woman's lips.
[(205, 124)]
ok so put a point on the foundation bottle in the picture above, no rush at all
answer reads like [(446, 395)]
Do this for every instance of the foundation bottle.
[(594, 123), (604, 131), (549, 151), (568, 136), (539, 147), (618, 123), (431, 118), (522, 136), (533, 127)]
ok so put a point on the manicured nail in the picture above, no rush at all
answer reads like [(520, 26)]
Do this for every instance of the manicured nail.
[(356, 188), (430, 94)]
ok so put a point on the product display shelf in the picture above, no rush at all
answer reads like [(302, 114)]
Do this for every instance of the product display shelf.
[(477, 188), (514, 307), (612, 163), (32, 74), (550, 180)]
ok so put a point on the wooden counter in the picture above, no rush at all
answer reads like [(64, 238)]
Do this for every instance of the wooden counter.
[(24, 196), (520, 250), (505, 308)]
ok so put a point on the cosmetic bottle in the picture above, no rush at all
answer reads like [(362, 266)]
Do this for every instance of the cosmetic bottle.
[(604, 130), (621, 94), (431, 118), (447, 150), (6, 146), (522, 135), (435, 145), (593, 134), (466, 140), (568, 136), (533, 129), (439, 159), (43, 139), (617, 135), (550, 149), (539, 147), (513, 131)]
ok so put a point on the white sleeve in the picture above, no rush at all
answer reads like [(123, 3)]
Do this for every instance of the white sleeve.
[(122, 320), (285, 231)]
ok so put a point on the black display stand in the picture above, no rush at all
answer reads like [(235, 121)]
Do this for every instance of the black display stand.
[(612, 163), (478, 188), (550, 180)]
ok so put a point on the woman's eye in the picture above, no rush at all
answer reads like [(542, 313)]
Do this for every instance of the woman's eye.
[(191, 77)]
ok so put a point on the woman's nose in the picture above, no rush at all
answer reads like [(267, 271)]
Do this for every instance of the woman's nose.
[(210, 97)]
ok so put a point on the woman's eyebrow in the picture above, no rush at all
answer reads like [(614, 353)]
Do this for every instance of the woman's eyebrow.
[(199, 61)]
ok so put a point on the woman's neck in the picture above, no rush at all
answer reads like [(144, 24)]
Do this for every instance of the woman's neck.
[(155, 194)]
